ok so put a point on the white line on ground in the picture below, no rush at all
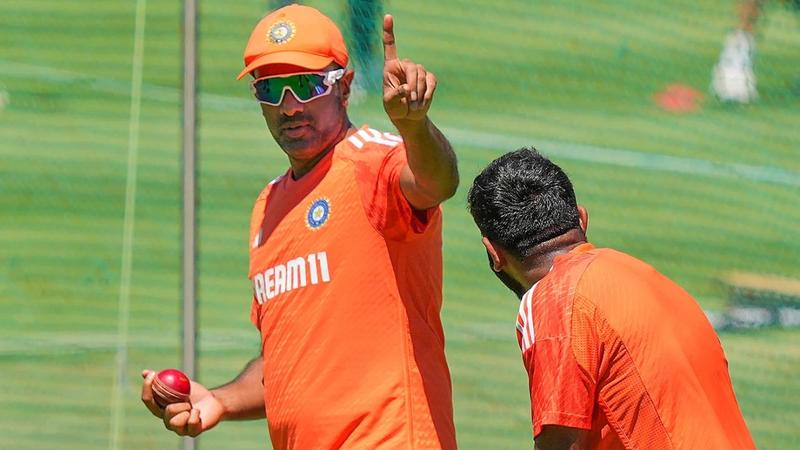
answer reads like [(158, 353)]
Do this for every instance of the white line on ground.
[(120, 381), (459, 136), (630, 158)]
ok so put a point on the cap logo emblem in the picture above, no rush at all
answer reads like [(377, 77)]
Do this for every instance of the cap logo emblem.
[(281, 32)]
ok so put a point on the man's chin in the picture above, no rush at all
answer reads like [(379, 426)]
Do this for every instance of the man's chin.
[(296, 146), (507, 280)]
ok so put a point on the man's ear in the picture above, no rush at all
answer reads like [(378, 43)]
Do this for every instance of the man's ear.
[(344, 84), (583, 217), (495, 254)]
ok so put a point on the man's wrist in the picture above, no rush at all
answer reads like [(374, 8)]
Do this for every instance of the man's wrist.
[(411, 127), (219, 396)]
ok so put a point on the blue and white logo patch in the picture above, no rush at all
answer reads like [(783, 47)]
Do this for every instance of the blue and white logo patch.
[(318, 213)]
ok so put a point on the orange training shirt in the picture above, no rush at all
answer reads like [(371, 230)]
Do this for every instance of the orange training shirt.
[(614, 347), (347, 283)]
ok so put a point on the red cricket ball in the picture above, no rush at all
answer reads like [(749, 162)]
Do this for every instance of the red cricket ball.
[(171, 386)]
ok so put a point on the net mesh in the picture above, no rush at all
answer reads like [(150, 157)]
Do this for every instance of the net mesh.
[(618, 93)]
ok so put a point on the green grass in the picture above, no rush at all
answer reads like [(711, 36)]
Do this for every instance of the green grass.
[(575, 79)]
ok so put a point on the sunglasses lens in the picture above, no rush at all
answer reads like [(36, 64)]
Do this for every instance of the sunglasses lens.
[(268, 91), (304, 86)]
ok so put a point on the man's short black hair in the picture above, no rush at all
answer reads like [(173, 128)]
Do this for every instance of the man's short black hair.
[(522, 199)]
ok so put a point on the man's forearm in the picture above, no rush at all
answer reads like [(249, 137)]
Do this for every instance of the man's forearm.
[(431, 160), (243, 398)]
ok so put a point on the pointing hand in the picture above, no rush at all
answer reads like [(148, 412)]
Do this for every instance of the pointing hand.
[(407, 87)]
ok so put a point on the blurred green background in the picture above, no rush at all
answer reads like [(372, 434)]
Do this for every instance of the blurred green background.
[(695, 194)]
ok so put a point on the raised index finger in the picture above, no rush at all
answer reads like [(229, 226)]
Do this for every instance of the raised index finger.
[(389, 49)]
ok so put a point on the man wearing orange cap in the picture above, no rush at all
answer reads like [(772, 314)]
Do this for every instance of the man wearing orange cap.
[(345, 257)]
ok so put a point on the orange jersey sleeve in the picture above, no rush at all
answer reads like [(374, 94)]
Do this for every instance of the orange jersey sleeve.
[(257, 234), (562, 391), (378, 175)]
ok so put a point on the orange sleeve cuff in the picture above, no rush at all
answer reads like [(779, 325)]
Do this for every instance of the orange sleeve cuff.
[(561, 419)]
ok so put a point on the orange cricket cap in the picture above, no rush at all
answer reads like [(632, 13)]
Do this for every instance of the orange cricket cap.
[(295, 36)]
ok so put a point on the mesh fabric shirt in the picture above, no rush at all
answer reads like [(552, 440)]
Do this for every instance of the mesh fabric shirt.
[(614, 347), (347, 295)]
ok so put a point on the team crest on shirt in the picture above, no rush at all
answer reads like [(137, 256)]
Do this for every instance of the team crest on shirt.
[(318, 213), (281, 32)]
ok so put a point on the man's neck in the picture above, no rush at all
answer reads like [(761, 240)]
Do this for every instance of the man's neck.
[(539, 263)]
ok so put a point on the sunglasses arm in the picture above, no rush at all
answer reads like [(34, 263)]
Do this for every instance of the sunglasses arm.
[(332, 76)]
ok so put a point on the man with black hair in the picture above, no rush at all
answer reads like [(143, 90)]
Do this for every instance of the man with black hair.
[(617, 355)]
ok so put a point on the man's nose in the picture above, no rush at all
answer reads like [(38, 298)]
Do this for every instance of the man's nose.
[(290, 105)]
